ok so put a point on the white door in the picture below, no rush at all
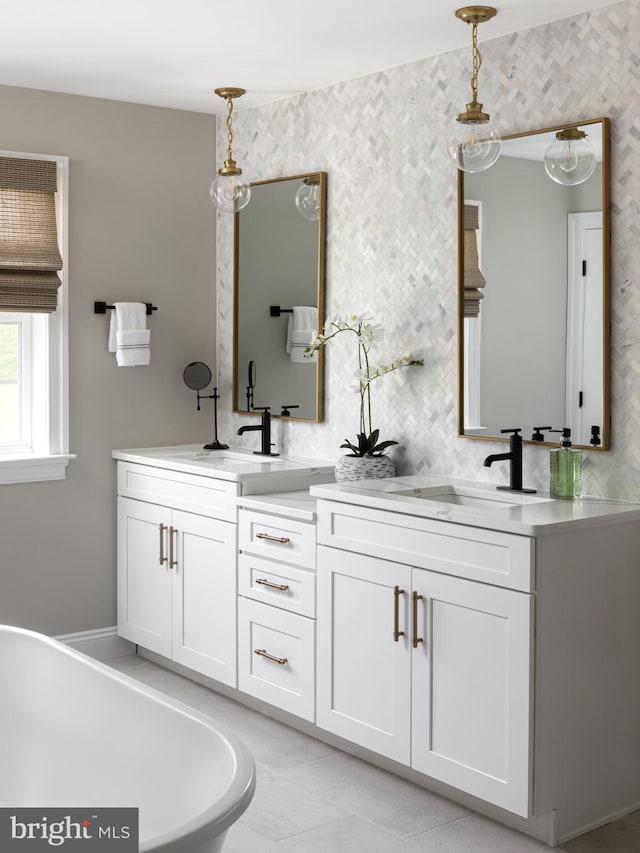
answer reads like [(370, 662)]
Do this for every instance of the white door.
[(144, 576), (363, 671), (472, 688), (204, 595), (585, 391)]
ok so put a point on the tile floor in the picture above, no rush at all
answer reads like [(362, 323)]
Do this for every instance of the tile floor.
[(313, 798)]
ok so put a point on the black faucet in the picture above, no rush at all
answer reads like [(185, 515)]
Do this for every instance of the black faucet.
[(265, 428), (515, 459)]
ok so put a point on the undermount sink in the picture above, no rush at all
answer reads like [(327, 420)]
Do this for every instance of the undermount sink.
[(463, 496), (220, 457)]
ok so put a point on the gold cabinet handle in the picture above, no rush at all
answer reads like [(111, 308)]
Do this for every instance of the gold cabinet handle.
[(283, 539), (397, 633), (415, 597), (173, 562), (264, 654), (163, 558), (283, 587)]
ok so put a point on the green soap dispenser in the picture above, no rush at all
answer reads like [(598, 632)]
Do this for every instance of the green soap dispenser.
[(566, 469)]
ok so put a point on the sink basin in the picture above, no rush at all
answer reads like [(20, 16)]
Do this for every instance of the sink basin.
[(222, 458), (463, 496)]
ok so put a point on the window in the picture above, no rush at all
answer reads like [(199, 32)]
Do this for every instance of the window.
[(34, 441)]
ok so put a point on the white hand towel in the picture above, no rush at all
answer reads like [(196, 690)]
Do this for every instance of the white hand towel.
[(302, 323), (129, 337)]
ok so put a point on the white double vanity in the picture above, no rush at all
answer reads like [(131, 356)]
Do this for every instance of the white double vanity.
[(482, 643)]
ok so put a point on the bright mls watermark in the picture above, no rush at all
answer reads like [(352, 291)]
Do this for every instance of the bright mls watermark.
[(36, 829)]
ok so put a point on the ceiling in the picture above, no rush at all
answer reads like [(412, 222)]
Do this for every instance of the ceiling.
[(174, 53)]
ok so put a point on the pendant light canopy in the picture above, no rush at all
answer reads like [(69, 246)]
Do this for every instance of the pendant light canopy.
[(229, 191), (474, 144), (571, 158)]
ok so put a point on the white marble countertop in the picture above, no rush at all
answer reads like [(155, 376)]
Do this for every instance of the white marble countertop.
[(295, 504), (235, 464), (530, 515)]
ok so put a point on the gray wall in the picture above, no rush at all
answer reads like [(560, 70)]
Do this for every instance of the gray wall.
[(141, 228), (391, 230)]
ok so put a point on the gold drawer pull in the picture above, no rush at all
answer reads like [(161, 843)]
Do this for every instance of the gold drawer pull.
[(283, 587), (416, 597), (173, 561), (397, 633), (163, 558), (269, 538), (264, 654)]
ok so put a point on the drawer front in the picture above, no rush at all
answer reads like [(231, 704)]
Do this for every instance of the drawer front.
[(278, 584), (276, 654), (189, 492), (277, 538), (489, 556)]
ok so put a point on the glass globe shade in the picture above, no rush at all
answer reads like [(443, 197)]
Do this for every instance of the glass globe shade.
[(308, 201), (230, 193), (570, 161), (474, 146)]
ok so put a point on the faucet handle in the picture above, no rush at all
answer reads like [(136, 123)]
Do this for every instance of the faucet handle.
[(514, 430), (537, 433)]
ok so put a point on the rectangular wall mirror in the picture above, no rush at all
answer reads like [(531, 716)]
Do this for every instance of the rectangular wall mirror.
[(534, 294), (279, 297)]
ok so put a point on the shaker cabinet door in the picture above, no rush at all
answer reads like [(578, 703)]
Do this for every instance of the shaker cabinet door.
[(144, 576), (204, 595), (363, 673), (472, 689)]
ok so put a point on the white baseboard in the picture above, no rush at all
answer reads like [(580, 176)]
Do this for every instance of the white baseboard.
[(102, 644)]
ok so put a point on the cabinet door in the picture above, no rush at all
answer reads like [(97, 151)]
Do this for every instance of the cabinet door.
[(204, 595), (472, 688), (144, 577), (363, 673)]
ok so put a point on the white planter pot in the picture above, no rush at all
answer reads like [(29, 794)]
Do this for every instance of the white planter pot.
[(364, 468)]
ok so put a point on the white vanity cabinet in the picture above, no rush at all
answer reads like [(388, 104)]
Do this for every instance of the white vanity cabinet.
[(276, 607), (177, 568), (427, 668), (494, 649)]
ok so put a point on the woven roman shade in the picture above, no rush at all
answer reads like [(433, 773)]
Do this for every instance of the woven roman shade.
[(473, 278), (29, 254)]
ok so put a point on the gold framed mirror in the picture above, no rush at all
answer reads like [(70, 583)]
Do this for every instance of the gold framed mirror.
[(279, 276), (534, 284)]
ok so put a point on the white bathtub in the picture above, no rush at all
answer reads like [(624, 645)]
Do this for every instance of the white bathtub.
[(75, 733)]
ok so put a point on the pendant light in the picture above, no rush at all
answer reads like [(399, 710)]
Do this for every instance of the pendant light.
[(571, 158), (229, 191), (474, 144), (308, 198)]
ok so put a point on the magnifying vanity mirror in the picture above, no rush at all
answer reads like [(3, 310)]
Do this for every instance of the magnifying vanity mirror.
[(534, 293), (279, 297)]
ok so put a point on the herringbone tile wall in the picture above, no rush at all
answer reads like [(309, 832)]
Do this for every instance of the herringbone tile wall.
[(391, 235)]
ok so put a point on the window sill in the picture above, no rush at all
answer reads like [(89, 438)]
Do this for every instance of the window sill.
[(30, 469)]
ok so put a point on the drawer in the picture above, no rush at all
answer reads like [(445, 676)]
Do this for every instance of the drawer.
[(276, 657), (277, 538), (489, 556), (189, 492), (278, 584)]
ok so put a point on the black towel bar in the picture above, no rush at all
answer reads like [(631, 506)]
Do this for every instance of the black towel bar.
[(102, 308)]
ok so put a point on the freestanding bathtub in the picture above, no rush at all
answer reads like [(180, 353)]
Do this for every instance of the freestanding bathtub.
[(75, 733)]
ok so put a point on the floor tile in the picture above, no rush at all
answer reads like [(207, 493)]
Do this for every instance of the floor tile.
[(280, 808), (477, 834), (375, 795), (183, 689), (242, 839), (350, 835), (273, 744), (130, 663), (622, 836)]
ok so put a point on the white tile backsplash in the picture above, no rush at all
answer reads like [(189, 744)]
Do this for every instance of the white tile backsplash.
[(391, 230)]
